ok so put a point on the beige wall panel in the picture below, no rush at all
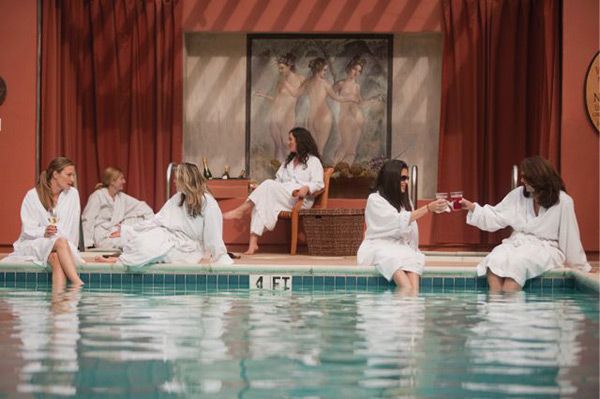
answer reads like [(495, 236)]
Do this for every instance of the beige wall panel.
[(215, 101), (416, 105)]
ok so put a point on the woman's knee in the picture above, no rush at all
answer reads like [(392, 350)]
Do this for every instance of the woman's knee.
[(54, 262), (60, 243)]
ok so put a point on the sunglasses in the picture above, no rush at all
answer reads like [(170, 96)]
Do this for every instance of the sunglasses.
[(404, 178)]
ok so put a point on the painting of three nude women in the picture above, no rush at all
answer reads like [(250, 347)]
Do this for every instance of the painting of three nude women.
[(336, 86)]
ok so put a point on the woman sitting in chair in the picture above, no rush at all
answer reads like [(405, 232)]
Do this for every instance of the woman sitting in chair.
[(300, 176)]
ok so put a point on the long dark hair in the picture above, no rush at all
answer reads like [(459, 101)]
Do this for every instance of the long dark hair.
[(545, 180), (305, 146), (388, 184)]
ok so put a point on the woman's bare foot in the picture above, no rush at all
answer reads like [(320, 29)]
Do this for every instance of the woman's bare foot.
[(101, 259), (78, 283), (238, 212), (251, 250)]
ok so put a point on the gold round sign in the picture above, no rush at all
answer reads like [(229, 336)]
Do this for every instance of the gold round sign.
[(592, 92)]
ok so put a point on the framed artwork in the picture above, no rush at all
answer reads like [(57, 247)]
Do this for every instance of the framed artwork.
[(592, 92), (336, 86)]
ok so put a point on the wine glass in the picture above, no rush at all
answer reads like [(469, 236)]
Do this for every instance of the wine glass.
[(443, 196), (455, 198), (53, 218)]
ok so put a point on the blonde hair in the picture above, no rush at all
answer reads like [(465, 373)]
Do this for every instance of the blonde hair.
[(43, 188), (110, 174), (192, 185)]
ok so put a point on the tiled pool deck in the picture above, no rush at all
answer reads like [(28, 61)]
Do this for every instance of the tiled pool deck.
[(446, 271)]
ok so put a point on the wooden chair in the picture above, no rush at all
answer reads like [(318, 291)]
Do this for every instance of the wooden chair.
[(321, 198)]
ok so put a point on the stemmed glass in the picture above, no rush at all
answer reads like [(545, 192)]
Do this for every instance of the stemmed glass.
[(53, 218)]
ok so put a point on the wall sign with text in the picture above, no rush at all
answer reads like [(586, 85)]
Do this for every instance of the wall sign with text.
[(592, 92)]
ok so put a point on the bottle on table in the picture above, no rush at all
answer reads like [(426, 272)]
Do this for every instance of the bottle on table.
[(225, 175), (206, 172)]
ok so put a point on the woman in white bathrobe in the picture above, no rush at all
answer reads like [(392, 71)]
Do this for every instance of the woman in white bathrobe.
[(108, 208), (392, 238), (50, 224), (298, 177), (545, 232), (187, 229)]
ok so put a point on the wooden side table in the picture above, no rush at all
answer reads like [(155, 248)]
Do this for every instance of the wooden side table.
[(228, 188)]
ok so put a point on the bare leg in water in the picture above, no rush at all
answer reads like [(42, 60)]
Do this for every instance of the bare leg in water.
[(62, 263), (495, 282), (511, 285), (406, 281)]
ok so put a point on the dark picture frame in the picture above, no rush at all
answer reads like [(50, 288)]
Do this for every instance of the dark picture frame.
[(348, 112)]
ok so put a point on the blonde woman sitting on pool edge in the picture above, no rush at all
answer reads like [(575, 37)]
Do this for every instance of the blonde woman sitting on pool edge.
[(50, 224), (108, 208), (188, 228)]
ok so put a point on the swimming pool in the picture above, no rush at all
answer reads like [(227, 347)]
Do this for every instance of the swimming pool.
[(135, 342)]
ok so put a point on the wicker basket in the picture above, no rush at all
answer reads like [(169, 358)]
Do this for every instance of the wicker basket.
[(333, 232)]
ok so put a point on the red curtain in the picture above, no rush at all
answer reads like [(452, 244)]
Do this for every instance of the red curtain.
[(112, 90), (500, 100)]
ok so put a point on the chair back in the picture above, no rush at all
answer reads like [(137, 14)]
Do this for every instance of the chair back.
[(323, 196)]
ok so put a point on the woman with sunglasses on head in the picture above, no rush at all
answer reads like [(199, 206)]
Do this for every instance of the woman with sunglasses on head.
[(108, 208), (187, 229), (50, 224), (392, 238), (545, 232)]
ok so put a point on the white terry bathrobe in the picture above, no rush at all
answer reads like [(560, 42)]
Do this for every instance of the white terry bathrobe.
[(102, 216), (391, 240), (174, 236), (537, 244), (32, 246), (274, 196)]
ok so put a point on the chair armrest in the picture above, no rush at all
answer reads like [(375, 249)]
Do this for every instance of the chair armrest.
[(294, 211)]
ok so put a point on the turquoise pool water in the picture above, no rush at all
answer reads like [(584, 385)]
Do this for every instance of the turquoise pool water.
[(325, 344)]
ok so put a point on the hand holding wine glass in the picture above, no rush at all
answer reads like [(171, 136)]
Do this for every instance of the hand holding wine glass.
[(51, 229), (466, 204)]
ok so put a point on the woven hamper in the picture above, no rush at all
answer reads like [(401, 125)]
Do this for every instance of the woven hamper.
[(333, 232)]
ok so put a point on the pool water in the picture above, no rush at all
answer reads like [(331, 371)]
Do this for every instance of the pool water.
[(326, 344)]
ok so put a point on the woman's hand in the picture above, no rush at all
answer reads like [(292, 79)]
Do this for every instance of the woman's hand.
[(116, 233), (301, 192), (51, 229), (466, 204), (438, 206)]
